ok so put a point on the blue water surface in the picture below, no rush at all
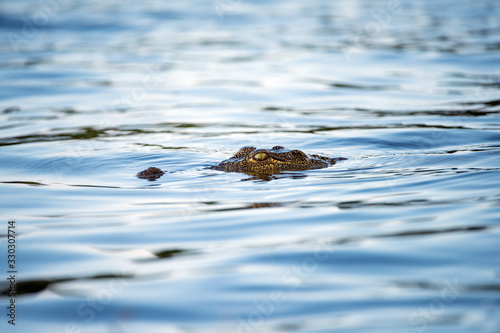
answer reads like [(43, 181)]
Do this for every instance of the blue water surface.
[(401, 237)]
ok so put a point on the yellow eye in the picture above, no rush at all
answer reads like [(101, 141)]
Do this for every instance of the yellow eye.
[(260, 156)]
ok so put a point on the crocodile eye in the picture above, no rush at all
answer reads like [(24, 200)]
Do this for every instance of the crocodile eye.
[(260, 156)]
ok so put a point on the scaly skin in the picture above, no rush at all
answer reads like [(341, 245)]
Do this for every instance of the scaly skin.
[(269, 161), (261, 161), (151, 173)]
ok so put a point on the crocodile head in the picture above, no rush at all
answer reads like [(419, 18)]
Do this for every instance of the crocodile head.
[(274, 160)]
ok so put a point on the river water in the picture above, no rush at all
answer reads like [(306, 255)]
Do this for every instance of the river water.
[(403, 236)]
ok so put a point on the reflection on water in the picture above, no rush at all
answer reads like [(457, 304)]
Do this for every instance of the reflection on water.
[(400, 237)]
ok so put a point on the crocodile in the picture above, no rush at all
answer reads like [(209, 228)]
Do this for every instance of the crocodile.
[(255, 161)]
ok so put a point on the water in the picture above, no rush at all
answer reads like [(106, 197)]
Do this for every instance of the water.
[(401, 237)]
